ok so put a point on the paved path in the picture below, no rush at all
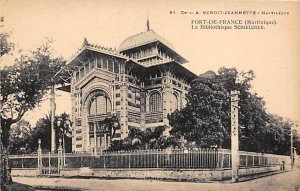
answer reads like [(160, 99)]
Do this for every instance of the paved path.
[(289, 181)]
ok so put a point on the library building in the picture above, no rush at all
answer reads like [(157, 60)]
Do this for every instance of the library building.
[(138, 84)]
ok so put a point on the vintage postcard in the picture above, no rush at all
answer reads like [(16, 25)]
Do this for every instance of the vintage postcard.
[(150, 95)]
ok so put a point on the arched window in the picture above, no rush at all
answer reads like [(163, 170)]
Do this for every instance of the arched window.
[(186, 102), (155, 102), (174, 103), (99, 103)]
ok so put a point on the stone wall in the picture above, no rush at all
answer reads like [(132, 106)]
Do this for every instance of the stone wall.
[(29, 172), (163, 174)]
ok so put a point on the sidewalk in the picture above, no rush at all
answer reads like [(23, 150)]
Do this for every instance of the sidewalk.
[(289, 181)]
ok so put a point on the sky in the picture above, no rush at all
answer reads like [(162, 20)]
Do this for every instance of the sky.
[(273, 53)]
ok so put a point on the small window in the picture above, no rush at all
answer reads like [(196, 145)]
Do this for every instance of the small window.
[(99, 62), (110, 65), (77, 76), (81, 71), (116, 68), (78, 131), (105, 63), (87, 68), (92, 64), (137, 98)]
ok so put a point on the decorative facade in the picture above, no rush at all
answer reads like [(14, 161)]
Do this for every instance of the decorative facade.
[(140, 83)]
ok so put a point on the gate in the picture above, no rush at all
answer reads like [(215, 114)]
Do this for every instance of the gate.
[(49, 164)]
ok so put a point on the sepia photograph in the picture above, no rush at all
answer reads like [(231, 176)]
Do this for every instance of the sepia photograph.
[(131, 95)]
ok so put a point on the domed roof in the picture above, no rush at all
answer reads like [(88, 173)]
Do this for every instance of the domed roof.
[(141, 39)]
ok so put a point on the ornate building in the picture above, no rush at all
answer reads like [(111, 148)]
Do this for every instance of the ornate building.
[(140, 83)]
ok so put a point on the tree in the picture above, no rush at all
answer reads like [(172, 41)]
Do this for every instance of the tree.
[(24, 138), (20, 138), (147, 139), (208, 111), (5, 48), (24, 84), (278, 135), (22, 87), (5, 45), (43, 131)]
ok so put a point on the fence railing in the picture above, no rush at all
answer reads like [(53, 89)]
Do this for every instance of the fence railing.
[(183, 159), (165, 159), (252, 159)]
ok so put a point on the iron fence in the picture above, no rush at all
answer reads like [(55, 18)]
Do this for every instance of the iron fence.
[(23, 161), (183, 159), (252, 159), (165, 159)]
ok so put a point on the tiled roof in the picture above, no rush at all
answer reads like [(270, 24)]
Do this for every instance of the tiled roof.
[(143, 38)]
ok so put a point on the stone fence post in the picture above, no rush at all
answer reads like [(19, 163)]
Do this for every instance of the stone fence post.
[(59, 157), (40, 159)]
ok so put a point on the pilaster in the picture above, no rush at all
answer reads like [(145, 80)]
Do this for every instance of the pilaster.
[(143, 109), (123, 109), (167, 96)]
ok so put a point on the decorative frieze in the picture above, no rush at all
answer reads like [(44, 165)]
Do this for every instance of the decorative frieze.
[(154, 117)]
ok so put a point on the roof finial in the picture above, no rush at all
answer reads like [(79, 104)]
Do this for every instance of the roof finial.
[(148, 24), (85, 42)]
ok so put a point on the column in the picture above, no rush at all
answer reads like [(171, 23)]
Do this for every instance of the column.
[(53, 107), (73, 117), (108, 141), (40, 163), (105, 141), (123, 109), (235, 136), (143, 106), (60, 158), (167, 96), (95, 136)]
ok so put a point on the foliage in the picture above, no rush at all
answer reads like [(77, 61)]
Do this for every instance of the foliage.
[(5, 45), (19, 137), (147, 139), (24, 84), (24, 139), (5, 48), (208, 111), (278, 135), (22, 87)]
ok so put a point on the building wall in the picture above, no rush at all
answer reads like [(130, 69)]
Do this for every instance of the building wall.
[(130, 98)]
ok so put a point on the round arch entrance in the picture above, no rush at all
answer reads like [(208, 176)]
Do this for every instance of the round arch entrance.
[(98, 109)]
